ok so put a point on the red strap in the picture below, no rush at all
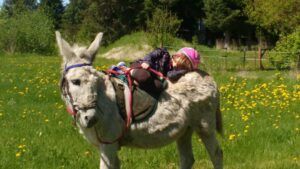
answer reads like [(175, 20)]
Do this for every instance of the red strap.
[(129, 113)]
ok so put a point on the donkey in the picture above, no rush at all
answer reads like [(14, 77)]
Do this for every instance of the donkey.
[(187, 106)]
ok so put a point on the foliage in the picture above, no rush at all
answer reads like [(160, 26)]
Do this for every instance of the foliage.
[(279, 16), (114, 18), (218, 15), (225, 21), (189, 11), (14, 7), (287, 50), (73, 17), (27, 32), (53, 9), (162, 27)]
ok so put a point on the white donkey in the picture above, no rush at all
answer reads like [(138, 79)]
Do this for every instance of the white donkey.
[(187, 106)]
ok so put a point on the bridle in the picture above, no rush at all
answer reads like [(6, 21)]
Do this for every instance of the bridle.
[(72, 110), (64, 87)]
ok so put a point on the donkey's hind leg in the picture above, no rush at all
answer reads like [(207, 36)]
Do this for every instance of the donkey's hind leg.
[(184, 146), (212, 146)]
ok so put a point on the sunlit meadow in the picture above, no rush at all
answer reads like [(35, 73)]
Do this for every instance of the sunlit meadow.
[(261, 113)]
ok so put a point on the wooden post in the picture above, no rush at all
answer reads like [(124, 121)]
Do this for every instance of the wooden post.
[(260, 55)]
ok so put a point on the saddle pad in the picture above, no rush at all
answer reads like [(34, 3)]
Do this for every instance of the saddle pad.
[(143, 104)]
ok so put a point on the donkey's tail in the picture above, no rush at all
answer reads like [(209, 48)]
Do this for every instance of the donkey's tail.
[(219, 121)]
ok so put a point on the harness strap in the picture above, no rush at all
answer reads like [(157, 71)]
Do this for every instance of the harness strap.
[(67, 68), (129, 113)]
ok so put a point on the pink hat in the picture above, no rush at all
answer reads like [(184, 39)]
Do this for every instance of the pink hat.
[(192, 54)]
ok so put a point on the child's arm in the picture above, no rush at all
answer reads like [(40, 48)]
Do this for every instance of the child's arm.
[(174, 75)]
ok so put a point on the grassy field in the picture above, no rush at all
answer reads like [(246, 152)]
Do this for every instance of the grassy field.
[(261, 112)]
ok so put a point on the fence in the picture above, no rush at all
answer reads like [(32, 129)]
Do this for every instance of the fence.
[(239, 60)]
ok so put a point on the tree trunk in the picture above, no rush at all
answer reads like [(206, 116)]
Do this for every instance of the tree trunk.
[(227, 41)]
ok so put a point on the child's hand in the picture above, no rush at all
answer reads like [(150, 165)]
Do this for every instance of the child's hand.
[(145, 65)]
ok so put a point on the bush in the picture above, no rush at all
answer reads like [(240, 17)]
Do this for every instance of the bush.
[(162, 27), (29, 32), (287, 51)]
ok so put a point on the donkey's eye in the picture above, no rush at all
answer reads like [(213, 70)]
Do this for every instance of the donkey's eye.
[(76, 82)]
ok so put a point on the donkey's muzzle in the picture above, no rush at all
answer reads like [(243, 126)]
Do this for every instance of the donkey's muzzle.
[(88, 117)]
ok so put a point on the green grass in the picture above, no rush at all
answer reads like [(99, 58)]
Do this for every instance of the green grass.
[(36, 131), (136, 40)]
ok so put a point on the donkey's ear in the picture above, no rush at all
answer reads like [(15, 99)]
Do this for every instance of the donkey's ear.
[(64, 47), (95, 46)]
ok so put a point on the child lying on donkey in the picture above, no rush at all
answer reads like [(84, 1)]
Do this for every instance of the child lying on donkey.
[(183, 61)]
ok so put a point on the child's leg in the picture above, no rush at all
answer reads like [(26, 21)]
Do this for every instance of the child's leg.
[(146, 81)]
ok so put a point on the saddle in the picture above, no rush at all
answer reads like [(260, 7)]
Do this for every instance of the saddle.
[(143, 104)]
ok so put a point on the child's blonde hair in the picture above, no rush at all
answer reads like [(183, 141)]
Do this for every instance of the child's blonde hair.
[(182, 62)]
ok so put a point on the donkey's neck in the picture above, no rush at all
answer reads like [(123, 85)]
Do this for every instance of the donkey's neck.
[(110, 124)]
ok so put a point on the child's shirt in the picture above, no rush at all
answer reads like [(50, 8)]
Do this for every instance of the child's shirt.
[(159, 60)]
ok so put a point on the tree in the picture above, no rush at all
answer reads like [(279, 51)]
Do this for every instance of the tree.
[(54, 9), (114, 18), (13, 7), (287, 51), (73, 17), (189, 11), (226, 18), (278, 16), (162, 27), (29, 32), (219, 16)]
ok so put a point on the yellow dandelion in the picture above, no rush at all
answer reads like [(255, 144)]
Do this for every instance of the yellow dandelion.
[(232, 136), (247, 93), (245, 118), (264, 85), (87, 153), (46, 120), (21, 146), (18, 154)]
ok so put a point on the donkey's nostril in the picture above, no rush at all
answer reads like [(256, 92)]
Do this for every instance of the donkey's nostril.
[(86, 118)]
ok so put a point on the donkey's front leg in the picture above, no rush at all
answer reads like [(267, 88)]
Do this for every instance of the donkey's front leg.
[(109, 156)]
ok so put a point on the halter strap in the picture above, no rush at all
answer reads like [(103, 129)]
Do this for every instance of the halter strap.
[(67, 68), (71, 110)]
